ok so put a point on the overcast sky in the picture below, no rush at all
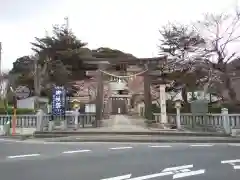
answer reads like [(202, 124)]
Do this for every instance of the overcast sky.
[(128, 25)]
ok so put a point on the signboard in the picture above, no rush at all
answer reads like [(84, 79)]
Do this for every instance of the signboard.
[(58, 101), (22, 92), (199, 106)]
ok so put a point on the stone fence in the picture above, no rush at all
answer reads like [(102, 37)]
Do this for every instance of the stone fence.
[(28, 124), (222, 122)]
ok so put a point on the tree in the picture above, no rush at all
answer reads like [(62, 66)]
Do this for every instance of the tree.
[(183, 45), (58, 59), (23, 72), (104, 52), (63, 51), (221, 34)]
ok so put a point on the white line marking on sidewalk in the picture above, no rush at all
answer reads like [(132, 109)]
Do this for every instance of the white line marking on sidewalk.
[(178, 168), (115, 148), (76, 151), (230, 161), (157, 146), (201, 145), (191, 173), (127, 176), (22, 156)]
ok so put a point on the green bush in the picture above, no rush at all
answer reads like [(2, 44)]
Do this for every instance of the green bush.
[(19, 111)]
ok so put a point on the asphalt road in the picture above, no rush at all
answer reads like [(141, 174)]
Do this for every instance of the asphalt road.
[(118, 161)]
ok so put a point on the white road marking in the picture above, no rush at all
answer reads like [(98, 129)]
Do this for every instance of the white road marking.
[(184, 170), (127, 147), (230, 161), (76, 151), (23, 156), (127, 176), (166, 146), (201, 145), (150, 176), (191, 173), (234, 144), (236, 167), (178, 168)]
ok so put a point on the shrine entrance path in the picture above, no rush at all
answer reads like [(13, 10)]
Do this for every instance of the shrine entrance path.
[(123, 122)]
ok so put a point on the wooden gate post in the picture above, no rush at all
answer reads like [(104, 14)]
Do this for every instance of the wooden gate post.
[(99, 98), (147, 95)]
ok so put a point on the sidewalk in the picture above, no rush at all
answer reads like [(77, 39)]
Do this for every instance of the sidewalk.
[(146, 139)]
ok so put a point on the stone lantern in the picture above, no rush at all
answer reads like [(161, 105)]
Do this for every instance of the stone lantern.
[(178, 105)]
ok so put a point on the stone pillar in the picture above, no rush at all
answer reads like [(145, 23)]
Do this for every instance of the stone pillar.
[(129, 104), (147, 96), (163, 104), (76, 114), (110, 105), (40, 122), (51, 125), (178, 115), (226, 122), (63, 124), (99, 98)]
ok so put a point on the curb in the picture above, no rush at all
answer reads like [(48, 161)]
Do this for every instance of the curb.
[(151, 133), (146, 141), (18, 137)]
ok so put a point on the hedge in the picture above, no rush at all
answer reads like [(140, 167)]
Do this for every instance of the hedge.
[(19, 111)]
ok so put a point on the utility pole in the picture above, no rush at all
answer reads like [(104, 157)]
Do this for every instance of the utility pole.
[(37, 91), (0, 57)]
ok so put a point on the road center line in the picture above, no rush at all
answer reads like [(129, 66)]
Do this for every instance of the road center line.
[(201, 145), (76, 151), (22, 156), (115, 148), (160, 146)]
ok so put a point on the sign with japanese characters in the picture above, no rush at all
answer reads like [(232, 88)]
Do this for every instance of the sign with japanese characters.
[(58, 101), (22, 92)]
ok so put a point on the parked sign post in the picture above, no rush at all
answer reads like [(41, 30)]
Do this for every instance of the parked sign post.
[(21, 92)]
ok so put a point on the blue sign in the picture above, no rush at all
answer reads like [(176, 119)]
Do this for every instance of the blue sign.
[(58, 101)]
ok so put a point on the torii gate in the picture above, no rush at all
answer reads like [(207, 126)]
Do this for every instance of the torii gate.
[(149, 65)]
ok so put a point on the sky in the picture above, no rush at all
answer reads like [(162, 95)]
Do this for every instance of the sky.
[(128, 25)]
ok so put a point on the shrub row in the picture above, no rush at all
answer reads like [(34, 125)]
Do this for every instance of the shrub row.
[(19, 111)]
